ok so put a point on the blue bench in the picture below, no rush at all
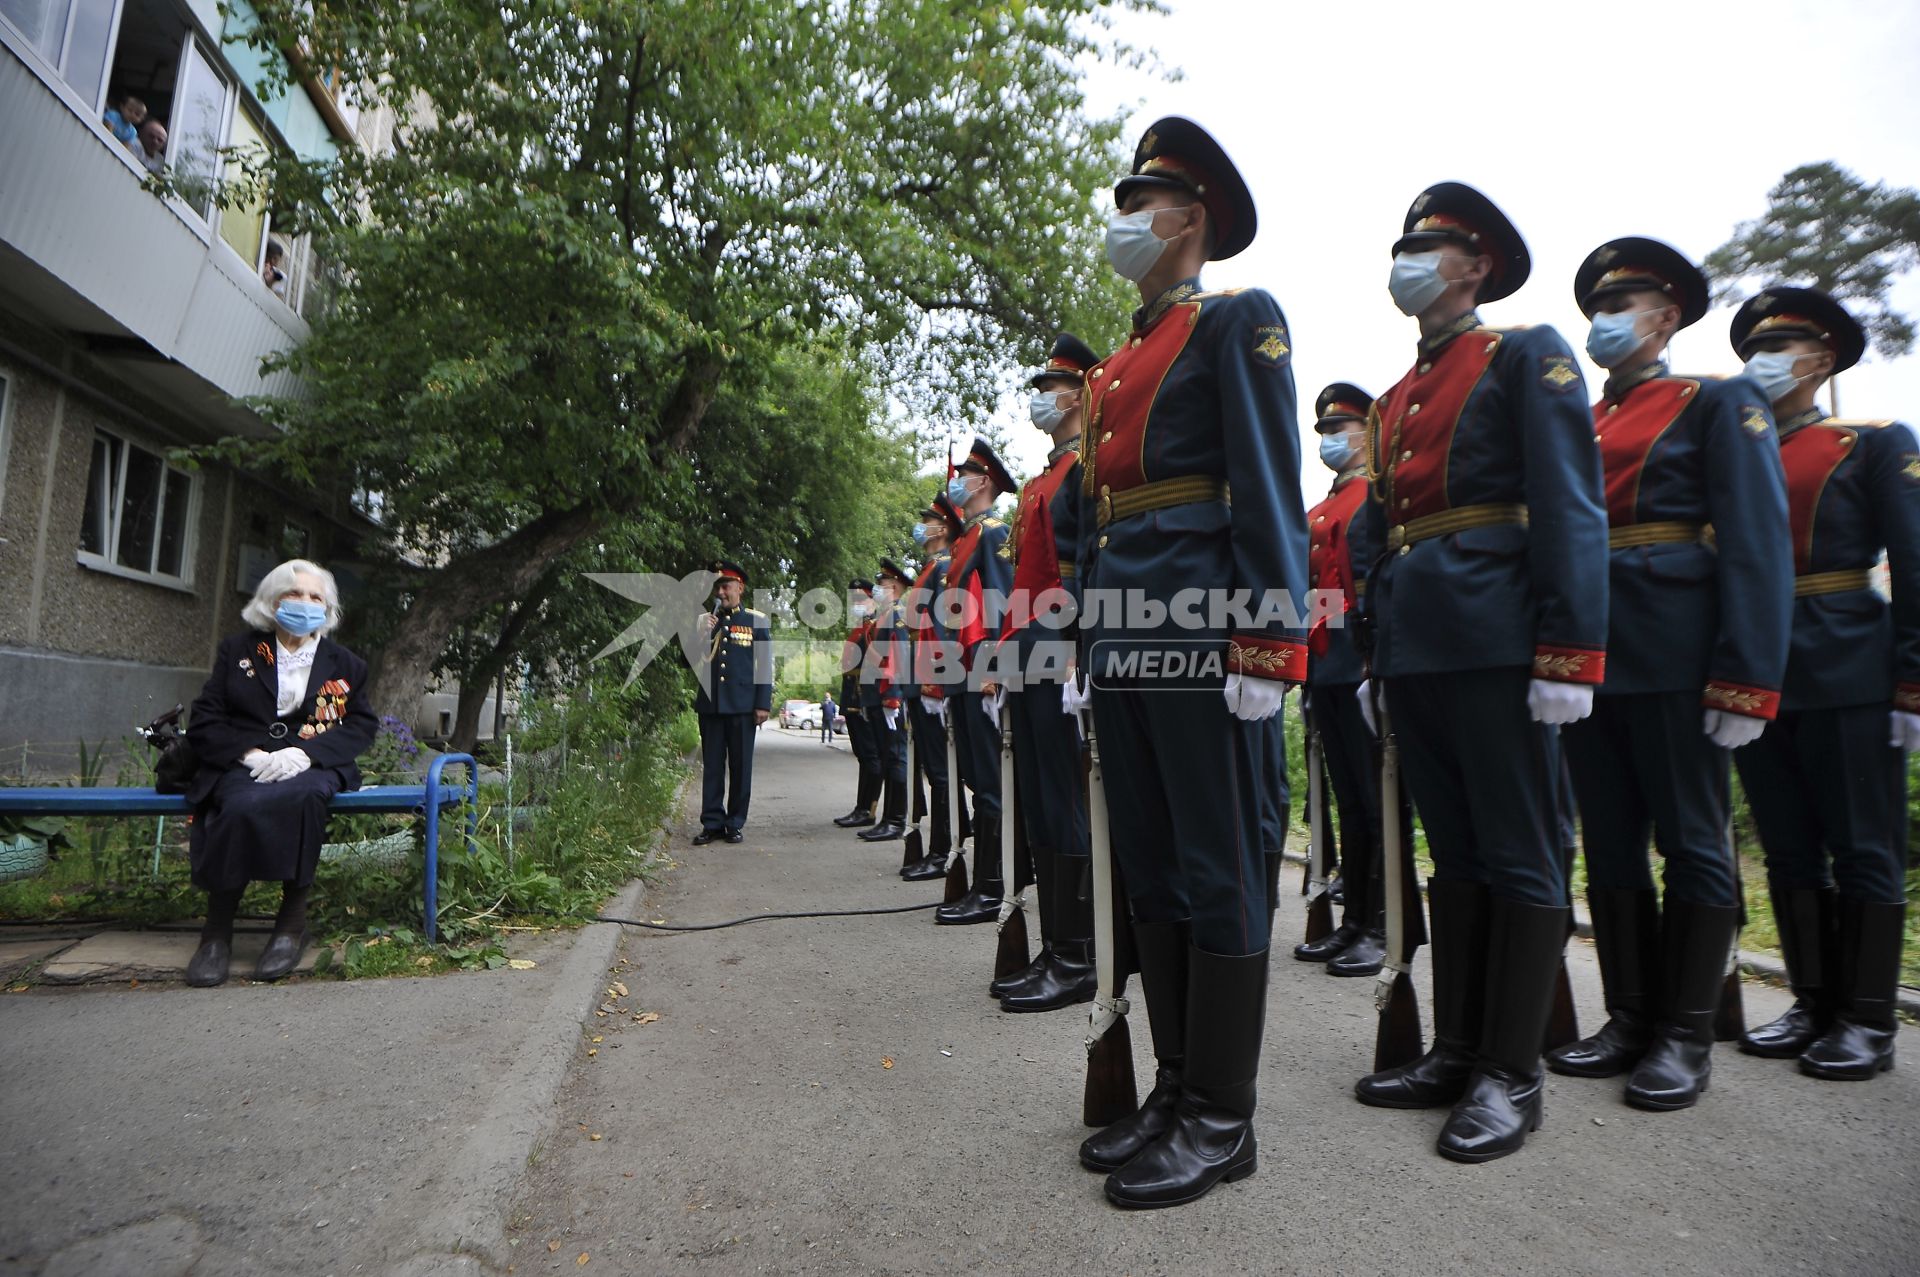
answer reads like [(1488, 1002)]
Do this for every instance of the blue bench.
[(425, 799)]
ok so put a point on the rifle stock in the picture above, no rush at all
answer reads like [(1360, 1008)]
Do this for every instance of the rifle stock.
[(914, 849), (1010, 955), (1111, 1093), (1319, 900), (956, 860), (1397, 1037)]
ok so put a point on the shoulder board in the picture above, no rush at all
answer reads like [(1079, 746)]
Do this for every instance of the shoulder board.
[(1852, 423), (1218, 292), (1696, 376), (991, 522), (1509, 328), (754, 612)]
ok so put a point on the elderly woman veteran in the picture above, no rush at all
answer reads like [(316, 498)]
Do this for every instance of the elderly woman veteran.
[(276, 729)]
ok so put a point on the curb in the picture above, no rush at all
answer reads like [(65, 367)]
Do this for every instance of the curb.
[(466, 1232)]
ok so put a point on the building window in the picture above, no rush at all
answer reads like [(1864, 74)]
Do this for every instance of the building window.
[(139, 513), (74, 36), (296, 541)]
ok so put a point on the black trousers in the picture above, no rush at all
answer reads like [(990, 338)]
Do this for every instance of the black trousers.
[(1484, 777), (1046, 756), (1354, 773), (930, 762), (1644, 771), (726, 770), (866, 752), (1829, 796), (976, 745)]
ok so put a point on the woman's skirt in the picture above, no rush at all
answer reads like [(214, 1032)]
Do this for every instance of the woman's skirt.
[(250, 832)]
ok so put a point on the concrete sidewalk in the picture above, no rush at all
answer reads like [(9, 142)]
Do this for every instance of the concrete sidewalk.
[(841, 1096)]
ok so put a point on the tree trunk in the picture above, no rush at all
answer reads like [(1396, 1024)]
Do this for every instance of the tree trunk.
[(501, 573), (466, 715), (484, 674)]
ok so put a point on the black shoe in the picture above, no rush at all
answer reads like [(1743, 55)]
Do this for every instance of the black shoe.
[(1615, 1049), (1436, 1080), (208, 967), (1807, 941), (1694, 943), (1068, 979), (1211, 1140), (1008, 983), (1502, 1103), (977, 906), (1326, 946), (705, 836), (1164, 952), (1859, 1045), (924, 870), (854, 819), (1626, 934), (1364, 956), (885, 831), (281, 956), (734, 835), (1439, 1078)]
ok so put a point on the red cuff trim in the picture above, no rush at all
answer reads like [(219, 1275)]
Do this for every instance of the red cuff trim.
[(1569, 664), (1259, 657), (1741, 699), (1906, 697)]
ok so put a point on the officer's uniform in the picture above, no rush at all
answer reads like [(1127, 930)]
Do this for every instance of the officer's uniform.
[(1699, 592), (979, 579), (733, 680), (1338, 557), (1487, 505), (1200, 392), (1046, 744), (923, 691), (860, 733), (883, 673), (1828, 791)]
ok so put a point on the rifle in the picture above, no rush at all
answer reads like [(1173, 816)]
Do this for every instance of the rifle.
[(1319, 901), (956, 864), (1011, 955), (1110, 1093), (915, 849), (1730, 1020), (1397, 1038), (1563, 1021)]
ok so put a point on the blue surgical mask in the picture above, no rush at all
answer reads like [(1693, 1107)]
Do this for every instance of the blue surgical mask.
[(1336, 451), (1045, 410), (920, 534), (1416, 282), (1132, 247), (957, 490), (297, 616), (1773, 369), (1613, 338)]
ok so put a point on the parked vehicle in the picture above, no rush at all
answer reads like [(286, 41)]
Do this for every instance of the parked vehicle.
[(802, 714)]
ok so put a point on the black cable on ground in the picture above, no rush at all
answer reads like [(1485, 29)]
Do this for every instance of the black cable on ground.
[(765, 917)]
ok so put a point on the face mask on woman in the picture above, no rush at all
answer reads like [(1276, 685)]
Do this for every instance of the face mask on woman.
[(299, 616)]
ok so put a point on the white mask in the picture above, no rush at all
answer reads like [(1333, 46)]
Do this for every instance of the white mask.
[(1132, 246), (1046, 411), (1416, 282), (1773, 369)]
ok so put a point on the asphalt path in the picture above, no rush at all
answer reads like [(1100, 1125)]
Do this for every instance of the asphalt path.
[(842, 1096)]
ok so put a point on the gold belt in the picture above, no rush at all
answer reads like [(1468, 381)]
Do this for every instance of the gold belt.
[(1668, 533), (1832, 582), (1360, 587), (1159, 495), (1460, 519), (1068, 571)]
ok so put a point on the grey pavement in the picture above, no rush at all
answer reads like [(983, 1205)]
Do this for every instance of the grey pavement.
[(754, 1126)]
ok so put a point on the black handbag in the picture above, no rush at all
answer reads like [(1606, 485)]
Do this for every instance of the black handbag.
[(177, 764)]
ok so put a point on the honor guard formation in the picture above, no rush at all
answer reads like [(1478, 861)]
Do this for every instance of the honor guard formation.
[(1513, 606)]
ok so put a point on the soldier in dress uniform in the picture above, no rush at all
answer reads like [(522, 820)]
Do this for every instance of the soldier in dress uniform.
[(939, 524), (1202, 389), (979, 578), (882, 699), (860, 737), (1338, 558), (1827, 780), (1696, 649), (733, 695), (1489, 603), (1046, 744)]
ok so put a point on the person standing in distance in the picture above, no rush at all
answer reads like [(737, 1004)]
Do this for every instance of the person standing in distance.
[(733, 696)]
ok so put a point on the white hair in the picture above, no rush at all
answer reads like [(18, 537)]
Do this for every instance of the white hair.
[(266, 596)]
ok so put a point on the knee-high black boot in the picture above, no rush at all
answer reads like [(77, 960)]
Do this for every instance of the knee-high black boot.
[(1805, 916), (1694, 941), (208, 966), (982, 904), (1859, 1044), (1163, 950), (1211, 1140), (1503, 1097), (1460, 914), (1626, 932)]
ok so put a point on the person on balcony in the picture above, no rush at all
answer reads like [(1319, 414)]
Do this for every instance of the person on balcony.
[(277, 728), (153, 145), (123, 117)]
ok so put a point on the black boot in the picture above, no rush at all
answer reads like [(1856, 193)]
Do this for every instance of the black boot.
[(1363, 957), (934, 866), (1067, 979), (1211, 1140), (1439, 1077), (893, 813), (1859, 1044), (1805, 918), (208, 966), (1694, 942), (1329, 945), (289, 937), (982, 904), (1043, 905), (885, 831), (1163, 951), (1626, 932), (1503, 1098)]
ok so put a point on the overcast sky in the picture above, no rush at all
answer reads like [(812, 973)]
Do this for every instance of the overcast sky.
[(1583, 123)]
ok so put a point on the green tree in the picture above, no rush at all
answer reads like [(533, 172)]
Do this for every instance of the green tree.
[(602, 219), (1825, 228)]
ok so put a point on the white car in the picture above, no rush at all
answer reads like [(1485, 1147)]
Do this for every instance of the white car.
[(802, 714)]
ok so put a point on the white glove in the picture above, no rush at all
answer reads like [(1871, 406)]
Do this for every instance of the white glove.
[(1906, 730), (1365, 693), (282, 764), (254, 760), (995, 703), (1075, 695), (936, 706), (1558, 703), (1252, 699), (1731, 731), (893, 718)]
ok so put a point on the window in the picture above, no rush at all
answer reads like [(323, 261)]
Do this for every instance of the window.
[(244, 225), (139, 513), (74, 36), (199, 122)]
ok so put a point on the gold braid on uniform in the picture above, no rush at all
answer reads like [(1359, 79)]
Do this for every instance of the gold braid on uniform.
[(1373, 449)]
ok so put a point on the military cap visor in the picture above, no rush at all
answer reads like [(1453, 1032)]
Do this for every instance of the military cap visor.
[(1639, 265), (1069, 360), (1178, 154), (1799, 312), (942, 511), (1342, 401), (1453, 212), (889, 570), (727, 570), (859, 586), (982, 459)]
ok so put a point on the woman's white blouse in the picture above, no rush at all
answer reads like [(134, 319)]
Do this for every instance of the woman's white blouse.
[(292, 669)]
